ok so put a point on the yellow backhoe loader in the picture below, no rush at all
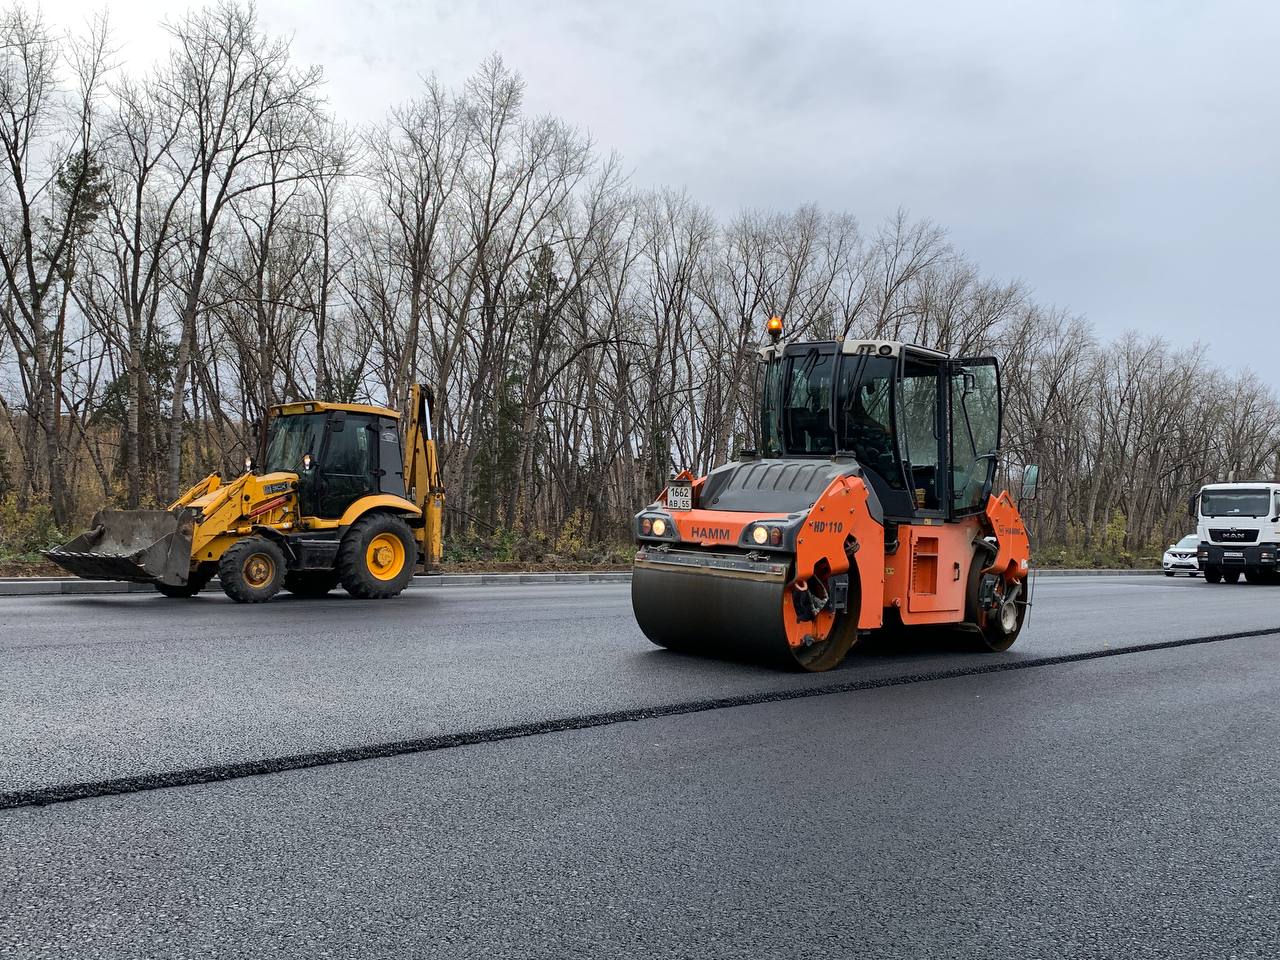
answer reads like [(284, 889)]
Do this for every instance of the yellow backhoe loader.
[(336, 498)]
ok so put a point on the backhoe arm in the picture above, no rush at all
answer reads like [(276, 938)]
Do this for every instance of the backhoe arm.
[(422, 480)]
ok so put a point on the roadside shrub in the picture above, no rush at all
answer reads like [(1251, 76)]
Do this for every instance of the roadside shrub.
[(24, 533)]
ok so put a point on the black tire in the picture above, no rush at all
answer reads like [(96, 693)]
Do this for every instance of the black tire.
[(197, 581), (1231, 576), (1256, 576), (310, 583), (1169, 573), (1212, 575), (981, 633), (252, 571), (355, 572)]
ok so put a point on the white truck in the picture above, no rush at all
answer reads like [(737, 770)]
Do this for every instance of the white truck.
[(1239, 529)]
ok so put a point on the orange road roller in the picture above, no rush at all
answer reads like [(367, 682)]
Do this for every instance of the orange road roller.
[(867, 506)]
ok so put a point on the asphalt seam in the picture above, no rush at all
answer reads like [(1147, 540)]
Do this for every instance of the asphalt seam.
[(66, 793)]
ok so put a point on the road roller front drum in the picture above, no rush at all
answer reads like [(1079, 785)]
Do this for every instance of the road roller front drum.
[(728, 607)]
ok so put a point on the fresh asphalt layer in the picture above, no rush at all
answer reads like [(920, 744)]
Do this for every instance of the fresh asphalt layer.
[(1117, 807), (131, 691)]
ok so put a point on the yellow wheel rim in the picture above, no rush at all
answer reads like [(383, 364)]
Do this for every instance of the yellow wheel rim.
[(385, 556), (259, 570)]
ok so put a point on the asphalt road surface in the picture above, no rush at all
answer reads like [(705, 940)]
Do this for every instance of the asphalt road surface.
[(564, 789)]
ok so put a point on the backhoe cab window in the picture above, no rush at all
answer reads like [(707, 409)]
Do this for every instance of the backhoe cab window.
[(290, 438), (347, 469)]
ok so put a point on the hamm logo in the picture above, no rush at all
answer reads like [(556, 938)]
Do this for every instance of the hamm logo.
[(711, 533)]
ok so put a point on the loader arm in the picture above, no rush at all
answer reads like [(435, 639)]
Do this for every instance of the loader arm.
[(422, 478)]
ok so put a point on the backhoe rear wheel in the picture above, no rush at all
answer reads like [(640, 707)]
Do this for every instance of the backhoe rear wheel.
[(310, 583), (377, 557), (252, 571)]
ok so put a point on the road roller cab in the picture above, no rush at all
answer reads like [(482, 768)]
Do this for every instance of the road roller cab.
[(867, 503)]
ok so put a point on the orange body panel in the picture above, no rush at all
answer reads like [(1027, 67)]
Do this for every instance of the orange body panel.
[(1014, 556), (925, 579), (712, 528), (840, 512)]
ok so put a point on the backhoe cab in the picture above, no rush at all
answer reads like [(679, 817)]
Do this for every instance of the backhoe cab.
[(333, 498), (868, 504)]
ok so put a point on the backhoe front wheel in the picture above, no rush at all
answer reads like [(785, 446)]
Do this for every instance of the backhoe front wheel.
[(377, 557), (252, 571)]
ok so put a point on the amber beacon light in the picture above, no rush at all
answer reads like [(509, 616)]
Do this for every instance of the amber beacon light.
[(775, 328)]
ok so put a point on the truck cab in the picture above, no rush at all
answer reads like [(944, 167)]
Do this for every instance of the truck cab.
[(1239, 529)]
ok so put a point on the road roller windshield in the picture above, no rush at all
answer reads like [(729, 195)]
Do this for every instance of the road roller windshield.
[(799, 417)]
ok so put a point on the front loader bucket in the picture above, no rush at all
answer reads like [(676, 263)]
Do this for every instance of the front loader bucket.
[(147, 546)]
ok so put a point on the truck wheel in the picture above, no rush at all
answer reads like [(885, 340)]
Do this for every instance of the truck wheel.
[(1255, 576), (377, 557), (1231, 576), (252, 571), (1212, 575), (197, 581), (310, 583)]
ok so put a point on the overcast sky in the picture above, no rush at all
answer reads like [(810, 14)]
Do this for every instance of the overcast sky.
[(1119, 159)]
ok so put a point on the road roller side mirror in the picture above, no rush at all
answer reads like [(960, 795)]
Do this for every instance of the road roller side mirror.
[(1030, 482)]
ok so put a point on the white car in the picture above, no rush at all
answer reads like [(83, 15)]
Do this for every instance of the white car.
[(1181, 556)]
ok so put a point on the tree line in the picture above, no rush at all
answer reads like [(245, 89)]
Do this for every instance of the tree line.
[(184, 247)]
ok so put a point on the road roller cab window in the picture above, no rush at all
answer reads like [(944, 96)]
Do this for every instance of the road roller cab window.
[(919, 429), (975, 433), (866, 415), (806, 403)]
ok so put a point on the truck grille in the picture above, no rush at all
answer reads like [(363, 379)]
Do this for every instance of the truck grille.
[(1234, 536)]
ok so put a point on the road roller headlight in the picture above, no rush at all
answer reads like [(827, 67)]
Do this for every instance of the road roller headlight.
[(765, 535), (656, 527)]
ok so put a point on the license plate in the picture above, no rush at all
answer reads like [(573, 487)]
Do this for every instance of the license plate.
[(1232, 555), (679, 496)]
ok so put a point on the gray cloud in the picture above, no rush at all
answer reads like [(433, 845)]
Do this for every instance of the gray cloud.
[(1118, 158)]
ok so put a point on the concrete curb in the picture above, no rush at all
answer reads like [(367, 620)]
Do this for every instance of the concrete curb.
[(54, 586), (1063, 572)]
